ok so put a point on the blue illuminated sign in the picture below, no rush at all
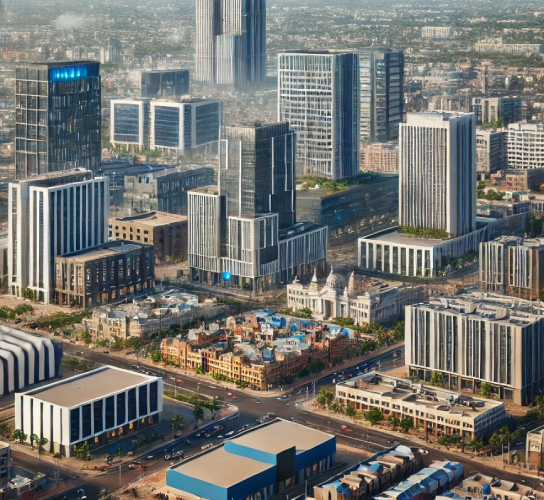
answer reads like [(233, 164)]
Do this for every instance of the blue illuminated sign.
[(226, 276), (67, 73)]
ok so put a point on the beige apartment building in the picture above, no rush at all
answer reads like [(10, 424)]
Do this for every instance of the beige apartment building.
[(166, 232), (438, 411)]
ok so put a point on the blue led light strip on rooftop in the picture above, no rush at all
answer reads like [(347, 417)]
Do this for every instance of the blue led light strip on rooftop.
[(67, 73)]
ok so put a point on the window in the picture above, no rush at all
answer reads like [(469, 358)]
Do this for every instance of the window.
[(110, 412)]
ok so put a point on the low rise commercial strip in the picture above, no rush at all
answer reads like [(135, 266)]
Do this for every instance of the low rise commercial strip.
[(438, 411)]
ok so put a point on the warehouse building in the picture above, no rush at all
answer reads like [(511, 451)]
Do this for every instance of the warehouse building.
[(26, 359), (259, 463), (92, 407)]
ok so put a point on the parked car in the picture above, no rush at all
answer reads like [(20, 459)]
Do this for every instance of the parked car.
[(229, 434)]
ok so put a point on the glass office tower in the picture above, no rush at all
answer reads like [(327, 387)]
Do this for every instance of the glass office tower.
[(58, 117), (165, 84)]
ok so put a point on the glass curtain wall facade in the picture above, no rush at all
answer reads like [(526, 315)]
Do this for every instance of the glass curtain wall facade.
[(166, 84), (382, 94), (58, 117), (318, 94)]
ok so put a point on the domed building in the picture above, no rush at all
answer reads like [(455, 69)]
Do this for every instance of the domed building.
[(378, 301)]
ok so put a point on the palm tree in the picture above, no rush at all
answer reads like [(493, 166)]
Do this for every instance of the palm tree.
[(5, 429), (40, 443), (325, 396), (178, 422), (198, 413)]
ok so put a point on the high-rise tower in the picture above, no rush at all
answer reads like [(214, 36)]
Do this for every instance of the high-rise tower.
[(382, 94), (230, 41), (58, 117), (318, 94), (437, 172)]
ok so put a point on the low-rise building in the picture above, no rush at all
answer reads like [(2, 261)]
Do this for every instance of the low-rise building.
[(166, 232), (478, 338), (358, 210), (110, 272), (490, 151), (92, 407), (378, 301), (438, 411), (534, 449), (259, 463), (26, 359)]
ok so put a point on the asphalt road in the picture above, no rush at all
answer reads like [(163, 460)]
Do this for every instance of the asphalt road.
[(251, 408)]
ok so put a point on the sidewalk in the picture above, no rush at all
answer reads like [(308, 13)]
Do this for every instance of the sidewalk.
[(493, 462)]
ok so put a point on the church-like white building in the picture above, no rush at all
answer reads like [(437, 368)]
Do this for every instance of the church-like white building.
[(381, 301)]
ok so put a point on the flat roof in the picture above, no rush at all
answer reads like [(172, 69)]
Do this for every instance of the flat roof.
[(221, 468), (117, 247), (393, 236), (280, 435), (150, 219), (75, 391)]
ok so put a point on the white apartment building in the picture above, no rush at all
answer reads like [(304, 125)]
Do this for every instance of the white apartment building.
[(525, 145), (438, 411), (474, 338), (436, 32), (437, 172), (319, 95), (52, 215), (94, 407)]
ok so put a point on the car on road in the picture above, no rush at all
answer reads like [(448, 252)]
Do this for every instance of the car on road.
[(200, 434), (206, 446), (220, 437), (270, 414), (244, 427), (218, 427), (229, 434), (179, 454), (167, 456)]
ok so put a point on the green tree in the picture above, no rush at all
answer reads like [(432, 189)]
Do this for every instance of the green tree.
[(537, 411), (178, 422), (33, 437), (475, 445), (5, 429), (156, 356), (351, 412), (485, 390), (83, 452), (500, 437), (40, 443), (198, 413), (406, 424), (325, 396), (393, 421), (436, 379), (19, 435), (398, 331), (374, 416), (86, 337)]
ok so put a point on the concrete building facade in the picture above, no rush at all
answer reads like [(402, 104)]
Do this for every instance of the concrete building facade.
[(473, 339), (114, 271), (440, 412), (525, 145), (166, 232), (51, 215), (491, 109), (490, 151), (92, 407), (319, 95)]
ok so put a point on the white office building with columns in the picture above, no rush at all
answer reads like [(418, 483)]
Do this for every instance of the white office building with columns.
[(437, 198), (50, 215), (92, 407)]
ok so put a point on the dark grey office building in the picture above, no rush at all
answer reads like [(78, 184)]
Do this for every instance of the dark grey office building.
[(165, 84), (257, 171), (58, 117), (382, 94), (252, 240)]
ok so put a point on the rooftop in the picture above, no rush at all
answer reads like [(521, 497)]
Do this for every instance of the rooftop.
[(280, 435), (211, 189), (393, 236), (424, 396), (88, 386), (221, 468), (483, 305), (152, 219), (118, 247)]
